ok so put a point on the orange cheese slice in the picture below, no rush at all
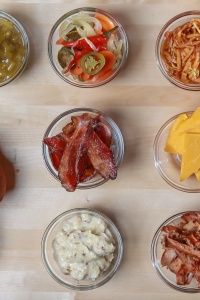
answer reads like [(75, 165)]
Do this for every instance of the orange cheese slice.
[(182, 125), (174, 142), (191, 156), (197, 174)]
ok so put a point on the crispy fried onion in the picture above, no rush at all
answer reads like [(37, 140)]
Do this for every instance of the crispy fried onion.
[(180, 51), (182, 248)]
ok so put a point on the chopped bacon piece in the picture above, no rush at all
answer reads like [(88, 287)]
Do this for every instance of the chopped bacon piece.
[(168, 256), (193, 215), (182, 248), (175, 265), (182, 275), (192, 225)]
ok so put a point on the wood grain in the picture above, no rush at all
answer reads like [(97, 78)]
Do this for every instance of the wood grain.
[(139, 100)]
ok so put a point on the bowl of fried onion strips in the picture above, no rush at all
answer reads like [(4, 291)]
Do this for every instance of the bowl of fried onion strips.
[(177, 50)]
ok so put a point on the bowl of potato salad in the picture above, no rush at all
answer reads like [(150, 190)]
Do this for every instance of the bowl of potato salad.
[(82, 249)]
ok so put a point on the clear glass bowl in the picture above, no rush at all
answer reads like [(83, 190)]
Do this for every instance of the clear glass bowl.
[(173, 23), (51, 265), (117, 143), (156, 253), (168, 165), (53, 48), (20, 28)]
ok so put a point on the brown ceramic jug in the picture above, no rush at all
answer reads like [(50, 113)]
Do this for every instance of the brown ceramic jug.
[(2, 183)]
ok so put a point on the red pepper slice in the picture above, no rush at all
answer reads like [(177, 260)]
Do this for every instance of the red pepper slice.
[(99, 39)]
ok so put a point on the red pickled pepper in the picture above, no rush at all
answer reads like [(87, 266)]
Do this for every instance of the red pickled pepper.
[(96, 40), (100, 39)]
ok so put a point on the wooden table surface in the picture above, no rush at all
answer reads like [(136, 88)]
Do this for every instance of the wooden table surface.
[(139, 100)]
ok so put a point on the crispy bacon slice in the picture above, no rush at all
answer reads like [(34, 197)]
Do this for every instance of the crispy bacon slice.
[(104, 133), (73, 162), (56, 145), (101, 157)]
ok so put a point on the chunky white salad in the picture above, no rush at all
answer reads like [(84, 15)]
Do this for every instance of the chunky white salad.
[(90, 48)]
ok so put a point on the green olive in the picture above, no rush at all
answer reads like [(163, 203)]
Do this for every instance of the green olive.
[(64, 56)]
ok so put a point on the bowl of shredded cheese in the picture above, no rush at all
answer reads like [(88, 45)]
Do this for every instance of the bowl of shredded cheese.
[(177, 50), (87, 47)]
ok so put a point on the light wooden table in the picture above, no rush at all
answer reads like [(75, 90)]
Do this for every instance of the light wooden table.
[(140, 100)]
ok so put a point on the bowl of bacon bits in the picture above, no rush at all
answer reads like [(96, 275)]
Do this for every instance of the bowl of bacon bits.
[(87, 47), (175, 252), (177, 50), (83, 148)]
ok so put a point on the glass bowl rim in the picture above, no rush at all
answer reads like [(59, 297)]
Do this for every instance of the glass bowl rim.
[(50, 54), (75, 110), (154, 256), (116, 236), (177, 83), (155, 156), (26, 41)]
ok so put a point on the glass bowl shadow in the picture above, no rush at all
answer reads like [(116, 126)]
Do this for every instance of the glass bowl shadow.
[(156, 253), (117, 142), (5, 16), (173, 23), (53, 48), (51, 265)]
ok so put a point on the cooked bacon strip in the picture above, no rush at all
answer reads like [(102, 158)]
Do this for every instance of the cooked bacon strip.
[(73, 162), (104, 132), (85, 151), (101, 157)]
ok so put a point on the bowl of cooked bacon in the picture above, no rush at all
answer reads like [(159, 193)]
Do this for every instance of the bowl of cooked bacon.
[(83, 148), (175, 252), (177, 50)]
